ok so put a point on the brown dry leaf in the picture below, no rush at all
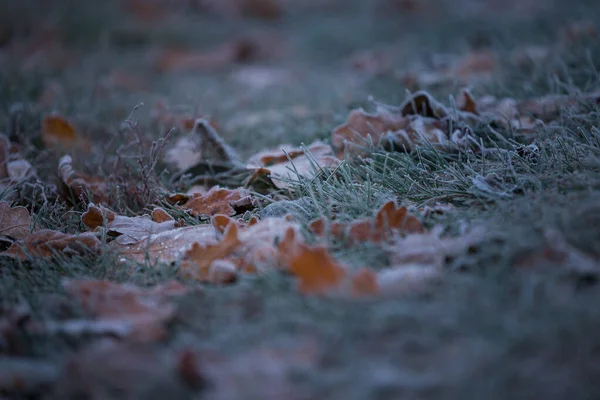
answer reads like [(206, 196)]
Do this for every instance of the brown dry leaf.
[(168, 246), (206, 263), (364, 282), (14, 221), (127, 230), (316, 270), (275, 155), (416, 120), (57, 130), (390, 219), (422, 103), (160, 215), (48, 243), (285, 172), (138, 314), (219, 201), (354, 133), (80, 187)]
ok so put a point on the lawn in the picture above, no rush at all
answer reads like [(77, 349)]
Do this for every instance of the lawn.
[(262, 199)]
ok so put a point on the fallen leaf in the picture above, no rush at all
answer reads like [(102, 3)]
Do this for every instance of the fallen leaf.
[(14, 221), (205, 262), (423, 104), (57, 130), (160, 215), (354, 133), (389, 220), (127, 230), (316, 270), (80, 187), (284, 172), (166, 247), (364, 282), (49, 243), (219, 201)]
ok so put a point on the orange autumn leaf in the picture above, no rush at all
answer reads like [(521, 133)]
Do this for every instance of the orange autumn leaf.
[(389, 219), (48, 243), (58, 130), (160, 215), (275, 156), (199, 261), (316, 270), (364, 282), (219, 201)]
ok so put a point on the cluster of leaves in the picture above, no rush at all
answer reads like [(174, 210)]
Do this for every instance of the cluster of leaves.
[(125, 231)]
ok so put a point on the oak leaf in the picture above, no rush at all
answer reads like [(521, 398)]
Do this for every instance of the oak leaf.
[(219, 201), (205, 262), (168, 246), (14, 221), (57, 130), (390, 219)]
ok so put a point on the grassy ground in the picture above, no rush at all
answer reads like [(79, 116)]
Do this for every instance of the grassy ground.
[(487, 329)]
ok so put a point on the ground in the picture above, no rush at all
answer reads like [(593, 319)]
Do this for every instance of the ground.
[(442, 243)]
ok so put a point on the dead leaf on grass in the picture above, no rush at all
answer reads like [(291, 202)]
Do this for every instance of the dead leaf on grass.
[(48, 243), (126, 230), (389, 220), (13, 168), (14, 221), (168, 246), (206, 263), (284, 172), (219, 201), (80, 187)]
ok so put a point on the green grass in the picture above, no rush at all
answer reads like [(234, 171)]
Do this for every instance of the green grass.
[(485, 330)]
